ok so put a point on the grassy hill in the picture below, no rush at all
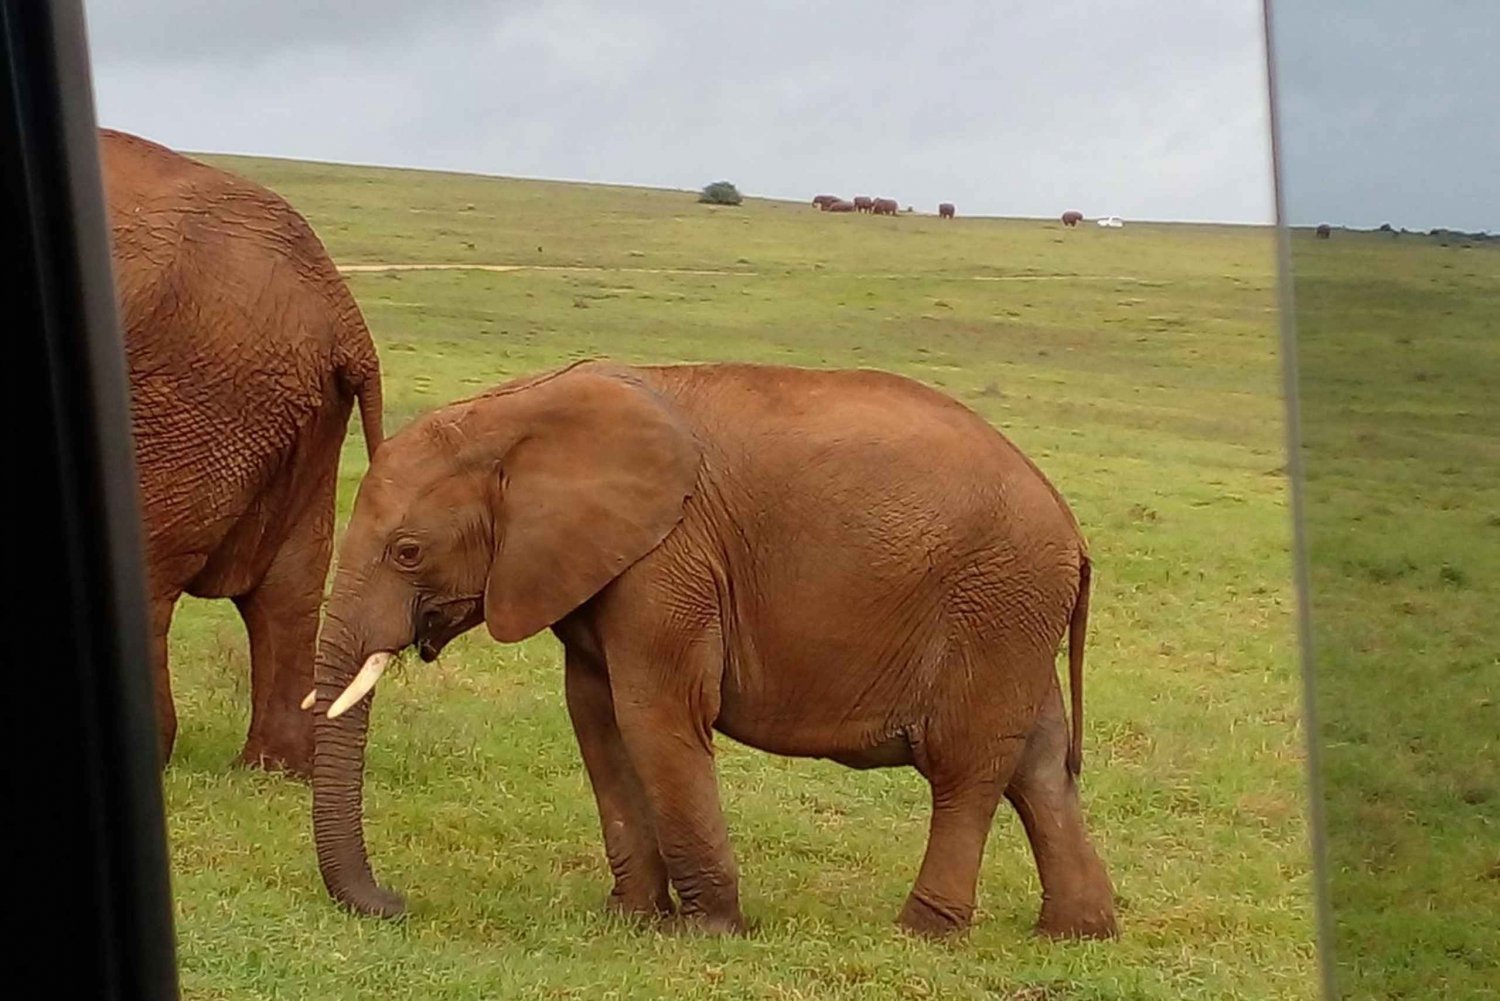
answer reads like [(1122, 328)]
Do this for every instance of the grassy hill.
[(1399, 350), (1137, 366)]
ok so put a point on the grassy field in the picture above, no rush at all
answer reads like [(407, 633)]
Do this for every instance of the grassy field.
[(1137, 366), (1400, 345)]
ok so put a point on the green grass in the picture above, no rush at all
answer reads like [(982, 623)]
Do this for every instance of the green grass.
[(1400, 345), (1146, 386)]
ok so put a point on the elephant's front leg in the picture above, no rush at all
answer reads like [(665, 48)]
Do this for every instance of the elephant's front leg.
[(640, 874), (668, 735)]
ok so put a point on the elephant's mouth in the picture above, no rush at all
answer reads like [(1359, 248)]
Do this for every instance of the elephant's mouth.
[(441, 623), (437, 624)]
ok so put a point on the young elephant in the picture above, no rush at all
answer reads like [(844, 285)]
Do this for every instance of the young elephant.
[(844, 565)]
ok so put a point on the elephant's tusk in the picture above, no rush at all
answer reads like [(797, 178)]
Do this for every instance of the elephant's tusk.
[(312, 697), (363, 682)]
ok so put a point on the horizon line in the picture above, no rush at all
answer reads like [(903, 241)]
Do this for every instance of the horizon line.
[(1140, 220)]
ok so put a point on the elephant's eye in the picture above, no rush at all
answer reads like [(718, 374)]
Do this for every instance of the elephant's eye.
[(408, 554)]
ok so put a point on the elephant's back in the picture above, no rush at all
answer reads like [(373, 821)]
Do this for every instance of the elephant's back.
[(878, 532), (189, 233), (234, 322), (233, 313), (799, 431)]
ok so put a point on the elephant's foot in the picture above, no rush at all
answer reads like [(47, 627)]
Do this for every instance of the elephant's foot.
[(1078, 900), (281, 743), (641, 905), (290, 758), (1085, 918), (706, 924), (931, 918)]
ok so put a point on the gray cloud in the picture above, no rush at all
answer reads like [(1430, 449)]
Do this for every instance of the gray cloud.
[(1388, 112), (1145, 108), (168, 31)]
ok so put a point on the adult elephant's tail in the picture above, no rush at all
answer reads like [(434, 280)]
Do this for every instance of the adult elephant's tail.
[(1078, 624), (359, 369), (371, 410)]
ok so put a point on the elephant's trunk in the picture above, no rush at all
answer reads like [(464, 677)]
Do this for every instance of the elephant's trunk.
[(338, 776)]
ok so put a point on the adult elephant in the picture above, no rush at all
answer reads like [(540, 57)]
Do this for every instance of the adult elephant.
[(883, 206), (246, 354), (840, 205), (845, 565), (863, 203), (1072, 218), (945, 210), (823, 201), (1324, 231)]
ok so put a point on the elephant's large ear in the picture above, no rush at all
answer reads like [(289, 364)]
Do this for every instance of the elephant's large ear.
[(596, 480)]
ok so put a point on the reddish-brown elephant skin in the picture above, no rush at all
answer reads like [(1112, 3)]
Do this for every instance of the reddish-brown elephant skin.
[(945, 210), (839, 205), (883, 206), (863, 203), (246, 356), (823, 201), (1072, 218), (836, 564)]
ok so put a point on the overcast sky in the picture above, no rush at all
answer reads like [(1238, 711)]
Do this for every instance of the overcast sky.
[(1149, 109), (1390, 112)]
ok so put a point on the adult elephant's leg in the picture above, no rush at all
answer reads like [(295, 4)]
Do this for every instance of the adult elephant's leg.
[(968, 779), (640, 874), (1077, 897), (667, 727), (281, 616), (166, 712)]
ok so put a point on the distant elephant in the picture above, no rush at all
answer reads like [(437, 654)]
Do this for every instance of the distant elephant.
[(883, 206), (246, 354), (1325, 231), (863, 203), (945, 210), (840, 205), (823, 201), (1072, 218), (835, 564)]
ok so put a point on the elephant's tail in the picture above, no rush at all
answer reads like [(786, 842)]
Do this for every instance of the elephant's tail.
[(371, 411), (359, 369), (1078, 624)]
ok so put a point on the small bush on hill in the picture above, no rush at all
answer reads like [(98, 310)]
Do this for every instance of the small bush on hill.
[(720, 193)]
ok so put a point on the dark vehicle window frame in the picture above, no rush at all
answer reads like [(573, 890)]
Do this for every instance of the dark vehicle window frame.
[(82, 758)]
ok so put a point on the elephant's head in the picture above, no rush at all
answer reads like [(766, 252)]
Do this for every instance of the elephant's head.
[(511, 509)]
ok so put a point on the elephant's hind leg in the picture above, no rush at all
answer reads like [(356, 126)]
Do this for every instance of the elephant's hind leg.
[(281, 616), (640, 873), (1077, 897), (967, 781), (166, 712)]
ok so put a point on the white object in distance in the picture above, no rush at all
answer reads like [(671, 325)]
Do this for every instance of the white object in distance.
[(1112, 221)]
